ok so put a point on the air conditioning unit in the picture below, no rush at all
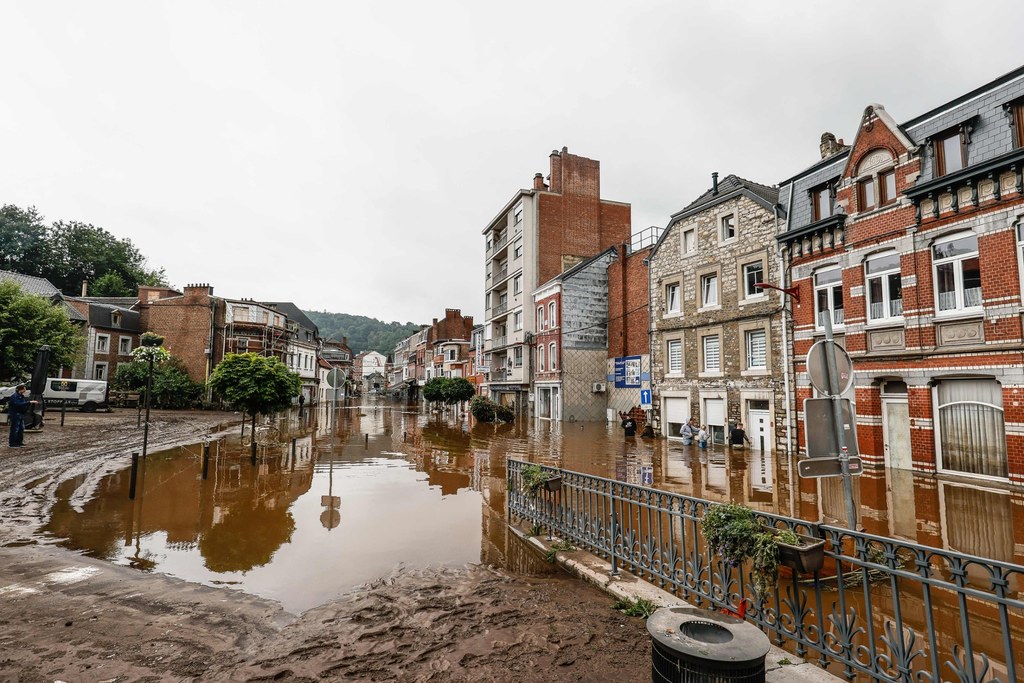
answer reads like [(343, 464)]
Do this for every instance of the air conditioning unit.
[(598, 387)]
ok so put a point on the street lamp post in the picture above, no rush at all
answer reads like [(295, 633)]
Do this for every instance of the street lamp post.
[(151, 342), (836, 400)]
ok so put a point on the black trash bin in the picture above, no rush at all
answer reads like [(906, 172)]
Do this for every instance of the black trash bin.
[(690, 645)]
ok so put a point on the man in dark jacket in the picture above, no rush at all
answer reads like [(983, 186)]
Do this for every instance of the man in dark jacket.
[(628, 424), (17, 407)]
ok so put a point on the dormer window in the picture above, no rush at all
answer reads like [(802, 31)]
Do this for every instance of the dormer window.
[(950, 152), (821, 202), (115, 319)]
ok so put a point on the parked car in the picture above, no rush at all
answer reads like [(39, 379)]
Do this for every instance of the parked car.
[(88, 395)]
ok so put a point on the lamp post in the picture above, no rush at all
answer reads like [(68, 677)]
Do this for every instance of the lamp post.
[(151, 342), (834, 395)]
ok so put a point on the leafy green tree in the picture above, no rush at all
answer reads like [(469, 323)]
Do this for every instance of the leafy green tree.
[(172, 387), (22, 239), (79, 251), (456, 390), (433, 390), (256, 384), (28, 321)]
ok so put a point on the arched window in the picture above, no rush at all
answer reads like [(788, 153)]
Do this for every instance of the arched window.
[(971, 432), (540, 318), (540, 358), (552, 315), (552, 355)]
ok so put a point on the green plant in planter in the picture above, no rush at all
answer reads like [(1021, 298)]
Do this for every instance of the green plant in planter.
[(733, 532), (532, 478)]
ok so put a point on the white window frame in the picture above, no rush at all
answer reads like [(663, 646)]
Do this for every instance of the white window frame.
[(517, 355), (708, 369), (552, 317), (758, 293), (959, 293), (105, 374), (748, 337), (105, 338), (517, 249), (121, 350), (670, 369), (691, 248), (517, 284), (673, 299), (883, 276), (540, 358), (552, 357), (704, 291), (517, 214), (541, 322), (830, 287), (727, 220), (517, 320)]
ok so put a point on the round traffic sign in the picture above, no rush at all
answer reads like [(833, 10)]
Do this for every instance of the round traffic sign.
[(817, 368), (336, 378)]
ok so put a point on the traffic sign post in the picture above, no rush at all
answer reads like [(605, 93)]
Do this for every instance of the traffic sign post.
[(833, 383)]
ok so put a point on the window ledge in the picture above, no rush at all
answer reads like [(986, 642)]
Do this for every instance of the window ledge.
[(713, 307), (753, 300), (884, 323), (675, 375), (710, 374), (960, 314), (674, 314), (759, 372)]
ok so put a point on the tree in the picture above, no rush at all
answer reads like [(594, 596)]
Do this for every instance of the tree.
[(28, 321), (433, 390), (22, 239), (256, 384), (77, 251), (172, 387)]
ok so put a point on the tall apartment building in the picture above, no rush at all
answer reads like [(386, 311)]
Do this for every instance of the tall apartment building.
[(539, 233)]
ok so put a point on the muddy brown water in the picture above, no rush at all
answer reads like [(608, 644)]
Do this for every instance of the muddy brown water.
[(392, 486)]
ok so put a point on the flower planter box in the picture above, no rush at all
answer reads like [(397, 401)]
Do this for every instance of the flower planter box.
[(553, 484), (806, 558)]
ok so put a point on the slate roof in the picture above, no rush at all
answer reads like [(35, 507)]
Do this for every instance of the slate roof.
[(101, 315), (122, 301), (769, 196), (31, 285), (293, 313), (41, 287)]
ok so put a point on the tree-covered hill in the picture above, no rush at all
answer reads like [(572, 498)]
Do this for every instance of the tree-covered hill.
[(364, 334)]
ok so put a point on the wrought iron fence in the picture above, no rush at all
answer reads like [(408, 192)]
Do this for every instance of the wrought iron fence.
[(881, 609)]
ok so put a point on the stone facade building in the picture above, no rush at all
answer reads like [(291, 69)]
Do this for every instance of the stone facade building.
[(718, 339), (539, 233), (111, 333), (912, 240)]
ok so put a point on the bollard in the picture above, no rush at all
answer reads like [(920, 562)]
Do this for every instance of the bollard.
[(367, 441), (63, 409), (405, 436), (206, 459), (135, 473)]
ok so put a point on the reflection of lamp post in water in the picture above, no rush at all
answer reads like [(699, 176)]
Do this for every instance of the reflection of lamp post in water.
[(151, 344)]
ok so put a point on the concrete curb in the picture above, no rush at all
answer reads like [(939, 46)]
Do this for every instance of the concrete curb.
[(782, 666)]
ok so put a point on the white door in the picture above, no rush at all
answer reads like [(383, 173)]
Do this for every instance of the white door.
[(556, 404), (759, 430), (896, 428)]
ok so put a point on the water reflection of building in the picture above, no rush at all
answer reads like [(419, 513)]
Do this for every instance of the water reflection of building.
[(237, 517)]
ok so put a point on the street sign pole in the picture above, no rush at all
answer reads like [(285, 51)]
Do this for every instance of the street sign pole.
[(837, 416)]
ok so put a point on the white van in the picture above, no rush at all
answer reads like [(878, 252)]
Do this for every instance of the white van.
[(85, 394)]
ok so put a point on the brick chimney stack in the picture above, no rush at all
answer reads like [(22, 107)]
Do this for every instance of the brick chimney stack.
[(829, 145), (538, 182), (555, 180)]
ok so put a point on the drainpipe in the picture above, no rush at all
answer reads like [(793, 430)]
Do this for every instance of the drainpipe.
[(787, 369), (650, 342)]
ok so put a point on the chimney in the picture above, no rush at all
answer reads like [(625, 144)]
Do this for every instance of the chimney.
[(829, 145), (85, 288), (556, 171), (714, 182), (344, 341), (538, 182)]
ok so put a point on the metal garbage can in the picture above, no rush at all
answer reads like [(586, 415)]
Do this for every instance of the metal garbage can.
[(690, 645)]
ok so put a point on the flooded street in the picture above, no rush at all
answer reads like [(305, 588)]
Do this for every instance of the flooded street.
[(395, 488)]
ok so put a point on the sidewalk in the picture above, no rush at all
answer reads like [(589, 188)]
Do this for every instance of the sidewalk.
[(782, 666)]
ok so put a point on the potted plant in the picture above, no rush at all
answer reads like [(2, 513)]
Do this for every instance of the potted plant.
[(733, 532), (532, 478)]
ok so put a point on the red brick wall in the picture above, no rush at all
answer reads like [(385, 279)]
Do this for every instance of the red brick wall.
[(549, 334), (573, 220), (628, 305), (184, 322)]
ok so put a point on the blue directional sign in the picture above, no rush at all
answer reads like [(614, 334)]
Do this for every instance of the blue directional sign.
[(645, 398)]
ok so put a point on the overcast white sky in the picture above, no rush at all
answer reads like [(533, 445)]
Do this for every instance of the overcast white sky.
[(346, 156)]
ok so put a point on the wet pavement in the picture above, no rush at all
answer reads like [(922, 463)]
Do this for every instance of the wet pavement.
[(392, 486)]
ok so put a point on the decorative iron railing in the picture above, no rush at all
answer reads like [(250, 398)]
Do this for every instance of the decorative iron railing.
[(882, 609)]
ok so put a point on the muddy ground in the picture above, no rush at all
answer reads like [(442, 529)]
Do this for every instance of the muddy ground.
[(64, 617)]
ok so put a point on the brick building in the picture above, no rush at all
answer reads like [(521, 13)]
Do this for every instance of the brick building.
[(200, 328), (111, 332), (539, 233), (446, 348), (906, 240), (629, 342), (717, 338)]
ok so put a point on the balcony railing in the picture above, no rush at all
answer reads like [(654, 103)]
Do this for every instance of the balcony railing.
[(500, 275), (499, 244), (881, 608), (499, 309), (499, 342), (498, 374)]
